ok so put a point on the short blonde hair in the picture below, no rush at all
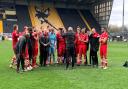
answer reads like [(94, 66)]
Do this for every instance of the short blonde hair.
[(83, 30)]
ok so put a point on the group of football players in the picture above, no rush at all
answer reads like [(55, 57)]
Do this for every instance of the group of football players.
[(70, 44)]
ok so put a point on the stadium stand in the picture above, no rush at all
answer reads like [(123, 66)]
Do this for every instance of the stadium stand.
[(62, 13), (70, 17), (90, 19), (32, 12), (53, 17), (8, 26), (23, 18)]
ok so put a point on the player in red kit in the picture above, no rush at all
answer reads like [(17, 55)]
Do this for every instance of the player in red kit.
[(103, 48), (15, 36), (83, 38), (27, 62), (61, 45), (35, 47), (77, 42)]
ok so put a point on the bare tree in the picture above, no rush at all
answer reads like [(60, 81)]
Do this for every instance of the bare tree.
[(114, 28)]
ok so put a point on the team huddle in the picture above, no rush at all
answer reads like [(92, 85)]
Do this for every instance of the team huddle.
[(71, 47)]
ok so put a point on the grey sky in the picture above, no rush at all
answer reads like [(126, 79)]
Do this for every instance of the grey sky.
[(116, 15)]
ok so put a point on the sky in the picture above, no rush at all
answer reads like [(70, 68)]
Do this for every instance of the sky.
[(116, 14)]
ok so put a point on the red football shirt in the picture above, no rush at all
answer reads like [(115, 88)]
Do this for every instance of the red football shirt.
[(103, 36), (83, 37), (15, 36), (60, 39), (77, 39), (35, 36), (96, 35)]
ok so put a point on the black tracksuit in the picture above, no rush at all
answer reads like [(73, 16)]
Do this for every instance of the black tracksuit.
[(20, 51), (70, 47), (30, 47), (94, 47), (44, 50)]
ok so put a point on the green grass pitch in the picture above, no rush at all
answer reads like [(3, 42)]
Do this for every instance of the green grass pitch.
[(56, 77)]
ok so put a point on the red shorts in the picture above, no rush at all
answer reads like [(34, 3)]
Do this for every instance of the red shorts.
[(82, 50), (14, 49), (61, 50), (77, 49), (103, 51), (35, 52)]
